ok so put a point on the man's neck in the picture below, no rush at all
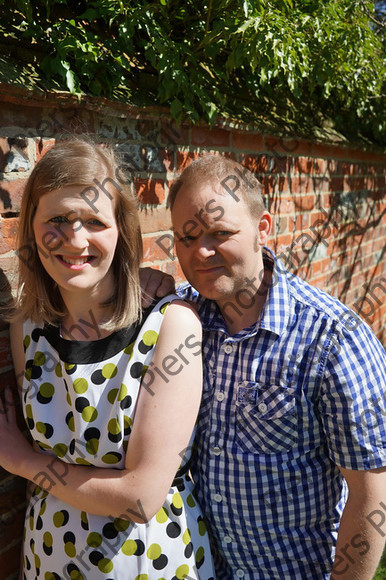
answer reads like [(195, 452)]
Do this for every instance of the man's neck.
[(246, 312)]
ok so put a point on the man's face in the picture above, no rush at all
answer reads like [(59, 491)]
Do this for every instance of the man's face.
[(218, 242)]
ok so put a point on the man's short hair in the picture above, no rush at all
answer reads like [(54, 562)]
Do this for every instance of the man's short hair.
[(226, 176)]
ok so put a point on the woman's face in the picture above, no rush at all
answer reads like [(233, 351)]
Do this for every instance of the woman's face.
[(76, 240)]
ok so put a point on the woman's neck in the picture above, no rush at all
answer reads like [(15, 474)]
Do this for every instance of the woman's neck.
[(84, 320)]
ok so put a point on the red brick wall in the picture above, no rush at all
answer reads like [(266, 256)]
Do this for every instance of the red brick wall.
[(328, 202)]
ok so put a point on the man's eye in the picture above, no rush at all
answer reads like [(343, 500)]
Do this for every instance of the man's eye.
[(222, 233), (185, 239)]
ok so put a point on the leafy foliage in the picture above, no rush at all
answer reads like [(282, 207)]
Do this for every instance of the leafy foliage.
[(295, 64)]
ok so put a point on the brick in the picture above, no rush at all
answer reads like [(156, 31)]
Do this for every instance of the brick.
[(154, 219), (255, 163), (10, 195), (158, 247), (300, 184), (172, 135), (247, 141), (150, 191), (303, 164), (304, 202), (4, 150), (42, 146), (8, 232), (184, 158), (205, 137)]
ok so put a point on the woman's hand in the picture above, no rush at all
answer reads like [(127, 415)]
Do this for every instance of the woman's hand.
[(14, 447)]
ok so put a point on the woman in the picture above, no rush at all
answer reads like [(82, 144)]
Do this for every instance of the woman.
[(110, 394)]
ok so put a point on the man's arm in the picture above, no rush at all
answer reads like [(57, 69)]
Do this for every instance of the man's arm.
[(362, 530)]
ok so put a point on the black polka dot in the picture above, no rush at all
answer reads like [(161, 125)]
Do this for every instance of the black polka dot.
[(95, 556), (173, 530), (70, 369), (161, 562), (188, 550), (81, 403), (136, 370), (126, 402), (36, 334), (92, 433), (140, 548), (69, 537), (97, 378), (144, 348), (35, 372), (110, 531), (39, 523)]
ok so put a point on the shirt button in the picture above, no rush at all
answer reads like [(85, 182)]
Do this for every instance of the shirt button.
[(240, 573), (216, 450), (220, 396), (217, 497), (228, 348), (227, 539), (262, 407)]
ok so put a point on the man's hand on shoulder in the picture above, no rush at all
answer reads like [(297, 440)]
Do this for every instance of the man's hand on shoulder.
[(154, 284)]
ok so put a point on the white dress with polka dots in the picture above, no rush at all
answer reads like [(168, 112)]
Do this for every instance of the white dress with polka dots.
[(79, 400)]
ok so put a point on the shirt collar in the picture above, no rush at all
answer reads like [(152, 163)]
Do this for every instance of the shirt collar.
[(276, 311)]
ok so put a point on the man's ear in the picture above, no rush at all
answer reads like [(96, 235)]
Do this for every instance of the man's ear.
[(265, 227)]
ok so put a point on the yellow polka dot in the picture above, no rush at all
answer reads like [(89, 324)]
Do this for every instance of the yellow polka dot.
[(39, 359), (27, 341), (202, 528), (122, 392), (190, 501), (164, 308), (112, 395), (161, 515), (182, 571), (129, 547), (41, 427), (154, 551), (129, 350), (82, 461), (114, 427), (109, 370), (105, 565), (200, 554), (186, 537), (89, 414), (150, 337), (94, 539), (92, 446), (142, 577), (60, 449), (47, 390), (58, 370), (80, 386), (177, 500), (70, 550), (47, 538)]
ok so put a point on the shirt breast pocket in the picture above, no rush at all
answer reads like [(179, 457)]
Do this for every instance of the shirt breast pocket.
[(266, 418)]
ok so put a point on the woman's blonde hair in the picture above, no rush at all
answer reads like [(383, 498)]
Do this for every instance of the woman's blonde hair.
[(81, 162)]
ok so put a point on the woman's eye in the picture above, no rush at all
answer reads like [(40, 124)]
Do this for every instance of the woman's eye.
[(59, 219), (97, 223)]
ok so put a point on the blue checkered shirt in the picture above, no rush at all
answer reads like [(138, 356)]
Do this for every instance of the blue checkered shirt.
[(286, 401)]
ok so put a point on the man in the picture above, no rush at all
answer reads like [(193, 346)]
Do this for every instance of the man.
[(290, 454)]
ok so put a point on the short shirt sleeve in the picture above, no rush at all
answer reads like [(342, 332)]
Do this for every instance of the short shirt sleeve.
[(353, 398)]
